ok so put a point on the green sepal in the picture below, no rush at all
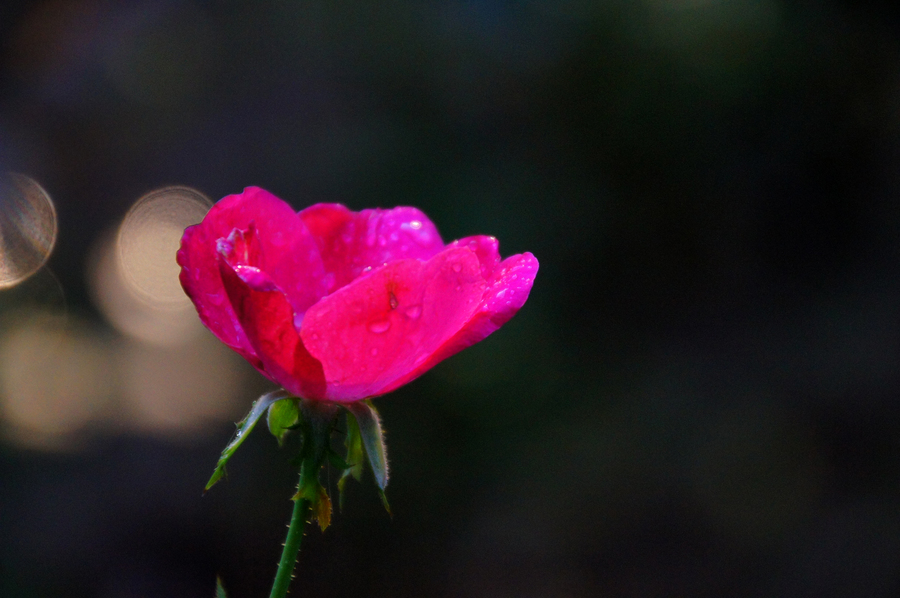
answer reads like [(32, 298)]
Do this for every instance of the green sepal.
[(384, 501), (318, 421), (370, 431), (337, 461), (354, 458), (283, 416), (243, 429), (220, 589)]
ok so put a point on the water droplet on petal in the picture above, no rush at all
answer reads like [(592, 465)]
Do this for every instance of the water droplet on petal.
[(379, 326), (457, 267), (373, 352), (500, 293), (413, 311)]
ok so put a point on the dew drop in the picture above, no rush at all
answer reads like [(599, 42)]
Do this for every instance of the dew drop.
[(413, 311), (373, 352), (380, 326), (500, 293), (457, 267)]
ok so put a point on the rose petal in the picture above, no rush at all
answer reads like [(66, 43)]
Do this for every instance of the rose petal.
[(509, 287), (267, 318), (380, 327), (350, 242), (287, 253), (486, 248)]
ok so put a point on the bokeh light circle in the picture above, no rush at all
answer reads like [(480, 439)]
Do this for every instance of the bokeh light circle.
[(54, 376), (148, 239), (28, 228)]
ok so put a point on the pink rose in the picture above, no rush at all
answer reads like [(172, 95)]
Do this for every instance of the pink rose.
[(340, 306)]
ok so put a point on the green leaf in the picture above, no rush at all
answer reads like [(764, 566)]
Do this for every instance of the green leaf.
[(220, 589), (243, 429), (283, 416), (372, 439)]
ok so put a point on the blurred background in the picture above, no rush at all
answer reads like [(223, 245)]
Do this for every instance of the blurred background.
[(701, 397)]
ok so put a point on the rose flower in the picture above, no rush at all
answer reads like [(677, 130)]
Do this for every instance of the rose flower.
[(340, 306)]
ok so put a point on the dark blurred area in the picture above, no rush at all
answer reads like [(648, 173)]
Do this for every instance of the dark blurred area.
[(701, 397)]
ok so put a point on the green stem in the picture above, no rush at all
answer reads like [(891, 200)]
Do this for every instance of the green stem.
[(291, 549)]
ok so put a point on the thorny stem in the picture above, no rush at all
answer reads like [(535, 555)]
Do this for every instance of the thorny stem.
[(291, 549), (316, 423)]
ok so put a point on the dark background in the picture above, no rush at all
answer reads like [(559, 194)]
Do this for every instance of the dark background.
[(700, 398)]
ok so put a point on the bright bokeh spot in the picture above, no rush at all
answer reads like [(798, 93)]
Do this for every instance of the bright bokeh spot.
[(126, 311), (28, 228), (177, 389), (149, 237), (54, 377), (133, 272)]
